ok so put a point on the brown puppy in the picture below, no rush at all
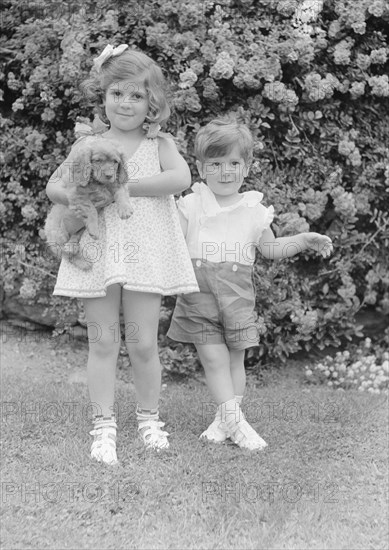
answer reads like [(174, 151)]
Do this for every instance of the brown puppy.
[(95, 177)]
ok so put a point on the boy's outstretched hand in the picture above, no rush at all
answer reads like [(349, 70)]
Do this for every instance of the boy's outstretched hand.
[(320, 243)]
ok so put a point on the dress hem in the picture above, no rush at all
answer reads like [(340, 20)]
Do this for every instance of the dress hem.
[(72, 293)]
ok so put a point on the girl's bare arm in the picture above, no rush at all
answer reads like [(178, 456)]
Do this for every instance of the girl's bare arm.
[(174, 178)]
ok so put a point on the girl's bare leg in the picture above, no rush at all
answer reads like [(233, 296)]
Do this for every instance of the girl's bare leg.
[(102, 315), (141, 316)]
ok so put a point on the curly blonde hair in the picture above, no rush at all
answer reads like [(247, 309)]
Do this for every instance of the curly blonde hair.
[(130, 64)]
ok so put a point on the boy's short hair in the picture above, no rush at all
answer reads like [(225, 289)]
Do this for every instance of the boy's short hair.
[(218, 138)]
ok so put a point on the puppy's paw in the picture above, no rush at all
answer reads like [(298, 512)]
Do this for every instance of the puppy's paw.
[(71, 249), (81, 263), (125, 211), (93, 232)]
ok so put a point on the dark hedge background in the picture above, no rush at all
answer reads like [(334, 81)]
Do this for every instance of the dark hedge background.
[(310, 78)]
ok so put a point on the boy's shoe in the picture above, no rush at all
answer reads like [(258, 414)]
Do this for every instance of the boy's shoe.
[(152, 435), (243, 435), (104, 443), (216, 432)]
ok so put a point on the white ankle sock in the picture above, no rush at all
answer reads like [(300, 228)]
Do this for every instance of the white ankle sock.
[(218, 415), (146, 414), (230, 412), (101, 419)]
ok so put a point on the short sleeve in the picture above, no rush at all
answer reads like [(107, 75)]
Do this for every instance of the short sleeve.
[(264, 219), (269, 218), (189, 206), (185, 212), (182, 208)]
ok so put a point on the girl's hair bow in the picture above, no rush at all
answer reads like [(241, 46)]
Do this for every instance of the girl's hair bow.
[(108, 52)]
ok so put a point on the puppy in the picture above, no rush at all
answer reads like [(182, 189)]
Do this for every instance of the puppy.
[(95, 177)]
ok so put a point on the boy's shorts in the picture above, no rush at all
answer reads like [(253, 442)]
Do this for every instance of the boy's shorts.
[(222, 312)]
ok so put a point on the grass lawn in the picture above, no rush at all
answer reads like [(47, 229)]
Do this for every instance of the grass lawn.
[(322, 482)]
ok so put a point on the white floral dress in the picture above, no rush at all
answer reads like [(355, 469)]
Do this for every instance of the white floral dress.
[(146, 253)]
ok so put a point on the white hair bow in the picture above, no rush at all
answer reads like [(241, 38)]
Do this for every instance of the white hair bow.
[(109, 51)]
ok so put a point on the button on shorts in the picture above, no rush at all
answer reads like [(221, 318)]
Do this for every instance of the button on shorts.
[(222, 312)]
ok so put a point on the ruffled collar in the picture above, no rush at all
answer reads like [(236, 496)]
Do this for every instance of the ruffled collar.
[(210, 205)]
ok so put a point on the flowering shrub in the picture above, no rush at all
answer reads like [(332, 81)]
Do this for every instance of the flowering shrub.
[(179, 362), (364, 369), (309, 77)]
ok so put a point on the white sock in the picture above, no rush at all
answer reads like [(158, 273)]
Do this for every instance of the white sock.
[(146, 414), (230, 412), (218, 416), (99, 419)]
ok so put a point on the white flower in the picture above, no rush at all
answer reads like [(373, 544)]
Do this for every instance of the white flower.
[(308, 11), (188, 78), (309, 372)]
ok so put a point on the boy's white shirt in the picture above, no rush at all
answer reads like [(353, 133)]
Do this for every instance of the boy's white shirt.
[(223, 234)]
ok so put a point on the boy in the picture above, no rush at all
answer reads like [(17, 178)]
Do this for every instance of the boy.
[(223, 228)]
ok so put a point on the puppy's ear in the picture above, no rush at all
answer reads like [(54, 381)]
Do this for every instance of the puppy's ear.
[(82, 166), (122, 176)]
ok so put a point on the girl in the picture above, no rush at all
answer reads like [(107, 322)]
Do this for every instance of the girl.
[(135, 261), (223, 228)]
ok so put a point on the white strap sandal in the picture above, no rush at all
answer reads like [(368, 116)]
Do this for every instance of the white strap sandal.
[(104, 444), (152, 435)]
